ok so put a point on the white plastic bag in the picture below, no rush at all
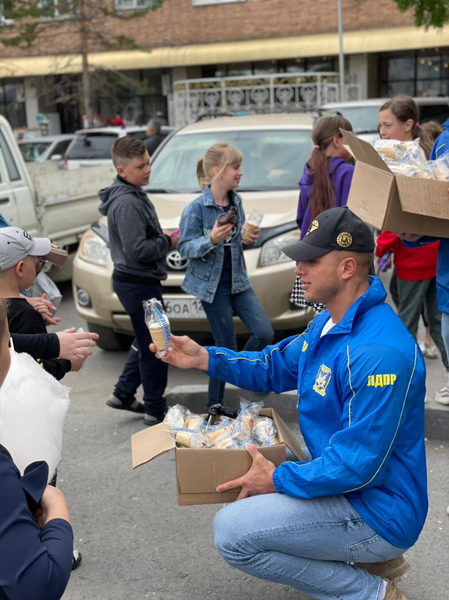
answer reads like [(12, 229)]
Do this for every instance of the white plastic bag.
[(33, 406)]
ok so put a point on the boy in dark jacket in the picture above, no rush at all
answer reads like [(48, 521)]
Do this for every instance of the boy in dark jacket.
[(138, 248)]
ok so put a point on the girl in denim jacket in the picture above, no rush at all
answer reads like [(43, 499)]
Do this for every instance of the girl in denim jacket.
[(216, 273)]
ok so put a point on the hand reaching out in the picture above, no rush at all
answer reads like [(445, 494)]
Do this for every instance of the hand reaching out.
[(73, 345), (185, 354)]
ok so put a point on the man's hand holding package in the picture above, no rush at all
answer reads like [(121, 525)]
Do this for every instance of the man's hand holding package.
[(258, 480), (185, 354)]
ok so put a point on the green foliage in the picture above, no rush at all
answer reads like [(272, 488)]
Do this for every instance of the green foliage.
[(428, 13)]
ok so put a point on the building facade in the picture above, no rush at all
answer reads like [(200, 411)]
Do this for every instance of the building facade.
[(199, 39)]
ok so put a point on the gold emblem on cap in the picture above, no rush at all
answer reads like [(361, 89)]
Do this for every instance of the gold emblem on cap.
[(313, 225), (344, 239)]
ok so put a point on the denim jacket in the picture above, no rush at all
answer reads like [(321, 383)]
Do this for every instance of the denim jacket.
[(206, 259)]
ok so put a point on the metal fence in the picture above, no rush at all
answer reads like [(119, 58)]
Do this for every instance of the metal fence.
[(247, 94)]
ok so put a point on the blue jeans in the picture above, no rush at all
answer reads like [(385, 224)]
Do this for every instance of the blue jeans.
[(310, 545), (142, 366), (220, 312)]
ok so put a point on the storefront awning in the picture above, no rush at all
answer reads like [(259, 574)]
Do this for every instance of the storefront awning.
[(355, 42)]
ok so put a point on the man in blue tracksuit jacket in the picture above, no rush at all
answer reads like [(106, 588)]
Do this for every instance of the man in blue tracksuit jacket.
[(334, 526)]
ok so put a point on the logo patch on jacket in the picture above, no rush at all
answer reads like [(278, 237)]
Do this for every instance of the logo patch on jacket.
[(304, 346), (381, 380), (322, 380)]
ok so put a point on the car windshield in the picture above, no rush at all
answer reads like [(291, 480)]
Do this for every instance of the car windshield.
[(364, 119), (31, 151), (91, 146), (272, 159)]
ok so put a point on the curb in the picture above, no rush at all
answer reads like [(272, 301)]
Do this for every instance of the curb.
[(195, 398)]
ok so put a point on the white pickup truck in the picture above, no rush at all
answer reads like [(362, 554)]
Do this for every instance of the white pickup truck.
[(47, 201)]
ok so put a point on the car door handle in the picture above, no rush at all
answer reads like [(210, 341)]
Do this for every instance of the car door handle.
[(4, 200)]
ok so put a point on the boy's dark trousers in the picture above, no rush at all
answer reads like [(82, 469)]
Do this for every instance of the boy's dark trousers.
[(142, 366)]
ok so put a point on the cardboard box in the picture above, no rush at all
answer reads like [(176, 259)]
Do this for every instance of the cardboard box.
[(395, 202), (200, 470)]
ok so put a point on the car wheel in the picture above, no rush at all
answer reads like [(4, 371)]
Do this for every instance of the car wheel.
[(110, 340)]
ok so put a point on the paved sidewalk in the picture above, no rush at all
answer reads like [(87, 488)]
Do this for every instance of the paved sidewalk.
[(137, 543)]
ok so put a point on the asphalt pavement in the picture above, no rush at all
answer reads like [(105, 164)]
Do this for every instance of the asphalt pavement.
[(137, 543)]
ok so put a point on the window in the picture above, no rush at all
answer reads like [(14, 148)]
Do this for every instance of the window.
[(133, 4), (55, 9), (9, 160), (207, 2), (421, 73), (92, 146), (271, 159)]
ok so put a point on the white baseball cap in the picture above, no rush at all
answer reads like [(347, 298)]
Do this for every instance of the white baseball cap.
[(17, 244)]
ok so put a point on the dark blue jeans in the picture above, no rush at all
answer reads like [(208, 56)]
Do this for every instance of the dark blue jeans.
[(142, 366), (247, 307)]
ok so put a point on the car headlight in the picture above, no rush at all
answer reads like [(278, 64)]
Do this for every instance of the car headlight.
[(94, 250), (272, 249)]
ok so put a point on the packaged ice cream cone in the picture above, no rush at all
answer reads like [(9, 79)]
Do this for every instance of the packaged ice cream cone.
[(158, 326), (195, 422), (252, 223), (190, 439)]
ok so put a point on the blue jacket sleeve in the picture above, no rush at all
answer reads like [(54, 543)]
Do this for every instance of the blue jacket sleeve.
[(194, 242), (371, 416), (275, 369), (35, 564), (441, 146)]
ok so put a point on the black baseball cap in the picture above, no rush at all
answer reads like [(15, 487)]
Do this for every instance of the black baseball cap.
[(334, 229)]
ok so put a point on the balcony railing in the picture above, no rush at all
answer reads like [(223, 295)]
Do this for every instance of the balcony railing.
[(246, 94)]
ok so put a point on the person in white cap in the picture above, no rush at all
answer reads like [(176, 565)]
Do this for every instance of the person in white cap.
[(21, 259)]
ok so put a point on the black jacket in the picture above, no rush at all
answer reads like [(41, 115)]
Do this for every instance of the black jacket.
[(138, 246), (23, 318)]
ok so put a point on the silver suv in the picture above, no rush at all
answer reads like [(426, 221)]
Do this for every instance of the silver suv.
[(275, 149)]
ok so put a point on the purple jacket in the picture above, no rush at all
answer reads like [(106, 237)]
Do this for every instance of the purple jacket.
[(341, 176)]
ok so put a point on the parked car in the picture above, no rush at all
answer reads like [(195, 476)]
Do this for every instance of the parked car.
[(364, 114), (50, 147), (92, 147), (275, 148), (46, 201)]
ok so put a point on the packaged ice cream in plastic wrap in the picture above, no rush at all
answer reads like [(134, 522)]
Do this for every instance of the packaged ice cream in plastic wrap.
[(195, 422), (177, 416), (192, 431), (245, 421), (158, 325), (439, 168), (264, 431), (252, 223), (418, 170), (220, 431), (400, 151), (188, 438)]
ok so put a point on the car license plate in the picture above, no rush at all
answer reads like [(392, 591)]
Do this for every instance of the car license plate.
[(183, 308)]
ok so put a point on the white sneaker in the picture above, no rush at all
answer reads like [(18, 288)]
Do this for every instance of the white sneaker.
[(443, 395), (431, 351), (422, 347)]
